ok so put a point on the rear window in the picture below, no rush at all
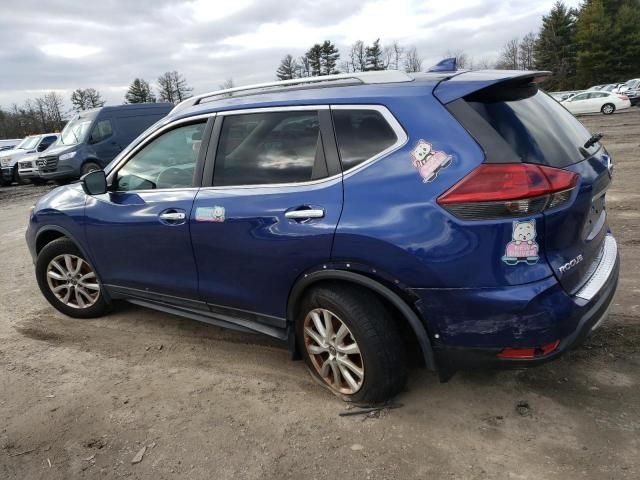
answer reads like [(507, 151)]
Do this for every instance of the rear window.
[(537, 128)]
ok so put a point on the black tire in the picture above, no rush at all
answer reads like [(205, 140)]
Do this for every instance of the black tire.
[(38, 181), (608, 108), (17, 178), (58, 247), (89, 167), (372, 328)]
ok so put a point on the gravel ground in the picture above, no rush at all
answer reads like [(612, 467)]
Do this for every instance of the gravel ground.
[(80, 399)]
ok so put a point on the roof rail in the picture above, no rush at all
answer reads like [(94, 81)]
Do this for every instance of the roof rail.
[(382, 76)]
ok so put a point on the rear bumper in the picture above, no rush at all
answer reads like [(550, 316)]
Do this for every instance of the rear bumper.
[(474, 326)]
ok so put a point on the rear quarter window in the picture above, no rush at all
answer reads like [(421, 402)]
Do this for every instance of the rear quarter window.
[(361, 135)]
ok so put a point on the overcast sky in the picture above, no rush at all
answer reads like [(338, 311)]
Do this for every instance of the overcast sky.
[(64, 44)]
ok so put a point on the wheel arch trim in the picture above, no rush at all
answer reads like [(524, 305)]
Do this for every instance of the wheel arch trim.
[(409, 315)]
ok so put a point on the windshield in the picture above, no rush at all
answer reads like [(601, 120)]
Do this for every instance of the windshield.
[(76, 130), (538, 129), (28, 143)]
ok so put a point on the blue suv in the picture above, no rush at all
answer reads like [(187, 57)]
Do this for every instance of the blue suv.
[(357, 217)]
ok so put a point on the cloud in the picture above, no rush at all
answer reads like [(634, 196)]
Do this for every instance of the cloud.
[(61, 45)]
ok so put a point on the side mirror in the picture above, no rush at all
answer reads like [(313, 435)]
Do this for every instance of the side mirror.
[(94, 183)]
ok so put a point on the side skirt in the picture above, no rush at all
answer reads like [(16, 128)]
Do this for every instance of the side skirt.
[(224, 317)]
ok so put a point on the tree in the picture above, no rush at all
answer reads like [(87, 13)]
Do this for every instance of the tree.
[(412, 61), (84, 99), (329, 58), (173, 87), (314, 57), (358, 57), (227, 84), (304, 67), (555, 47), (594, 42), (508, 59), (526, 51), (463, 61), (626, 35), (140, 92), (375, 59), (393, 55), (288, 68)]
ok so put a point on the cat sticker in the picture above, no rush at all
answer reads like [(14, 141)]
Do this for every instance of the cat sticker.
[(210, 214), (522, 247), (429, 162)]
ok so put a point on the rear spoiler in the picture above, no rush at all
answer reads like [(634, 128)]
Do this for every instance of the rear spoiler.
[(465, 83)]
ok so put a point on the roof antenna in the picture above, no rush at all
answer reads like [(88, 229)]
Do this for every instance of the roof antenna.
[(446, 65)]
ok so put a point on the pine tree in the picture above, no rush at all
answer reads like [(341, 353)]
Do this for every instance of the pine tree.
[(140, 92), (375, 59), (288, 68), (314, 56), (596, 51), (626, 38), (329, 58), (555, 49)]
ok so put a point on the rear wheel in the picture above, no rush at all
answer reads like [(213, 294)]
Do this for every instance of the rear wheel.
[(68, 281), (351, 345), (608, 108)]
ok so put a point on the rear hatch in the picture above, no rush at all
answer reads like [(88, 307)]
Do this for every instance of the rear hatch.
[(526, 125)]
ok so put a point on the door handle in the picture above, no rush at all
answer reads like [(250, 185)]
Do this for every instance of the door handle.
[(173, 216), (304, 214)]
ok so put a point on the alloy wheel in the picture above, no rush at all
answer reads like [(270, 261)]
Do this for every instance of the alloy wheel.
[(333, 351), (73, 281)]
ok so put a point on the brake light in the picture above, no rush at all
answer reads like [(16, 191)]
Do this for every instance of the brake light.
[(494, 191), (623, 97)]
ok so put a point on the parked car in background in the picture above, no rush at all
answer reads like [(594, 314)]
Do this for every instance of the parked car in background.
[(94, 137), (28, 170), (8, 144), (596, 88), (28, 146), (634, 96), (596, 101), (633, 84), (612, 87), (353, 216)]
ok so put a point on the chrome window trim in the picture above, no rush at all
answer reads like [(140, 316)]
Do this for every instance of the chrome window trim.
[(401, 136), (145, 141), (401, 140)]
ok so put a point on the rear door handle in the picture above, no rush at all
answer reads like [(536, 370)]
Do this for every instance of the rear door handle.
[(304, 214)]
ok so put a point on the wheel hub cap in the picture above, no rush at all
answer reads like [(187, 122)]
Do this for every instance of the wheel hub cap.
[(73, 281), (333, 351)]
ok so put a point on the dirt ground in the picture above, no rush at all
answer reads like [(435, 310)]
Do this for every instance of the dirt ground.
[(79, 399)]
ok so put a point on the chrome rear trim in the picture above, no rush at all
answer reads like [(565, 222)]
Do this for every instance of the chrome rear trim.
[(602, 272)]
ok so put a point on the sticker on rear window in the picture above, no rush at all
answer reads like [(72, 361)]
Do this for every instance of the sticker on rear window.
[(522, 247), (429, 162), (210, 214)]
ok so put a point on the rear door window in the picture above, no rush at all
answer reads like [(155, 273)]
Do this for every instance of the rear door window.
[(361, 135), (536, 127), (270, 148)]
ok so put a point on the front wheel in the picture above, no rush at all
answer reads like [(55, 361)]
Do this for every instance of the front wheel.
[(68, 281), (17, 178), (608, 108), (89, 167), (351, 345)]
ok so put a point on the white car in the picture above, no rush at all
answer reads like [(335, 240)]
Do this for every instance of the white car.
[(596, 101), (9, 159), (633, 84)]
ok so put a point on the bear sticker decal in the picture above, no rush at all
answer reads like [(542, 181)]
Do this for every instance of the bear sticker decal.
[(429, 162), (522, 247), (210, 214)]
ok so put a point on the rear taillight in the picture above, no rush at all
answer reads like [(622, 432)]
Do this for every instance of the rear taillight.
[(507, 190), (623, 97)]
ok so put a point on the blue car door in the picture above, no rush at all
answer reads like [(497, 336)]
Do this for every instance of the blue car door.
[(270, 212), (138, 232)]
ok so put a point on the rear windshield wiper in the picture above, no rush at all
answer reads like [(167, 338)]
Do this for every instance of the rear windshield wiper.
[(595, 138)]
